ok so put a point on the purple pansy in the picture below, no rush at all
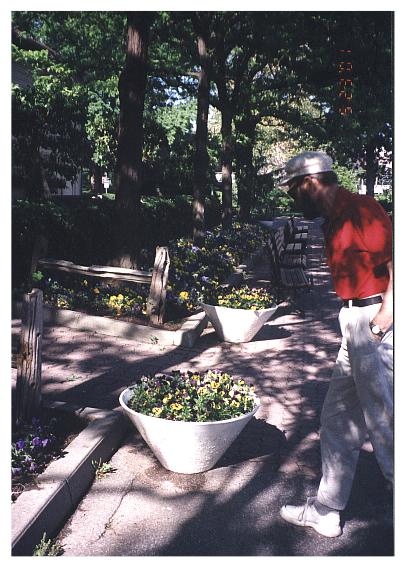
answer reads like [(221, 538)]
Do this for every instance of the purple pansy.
[(20, 444)]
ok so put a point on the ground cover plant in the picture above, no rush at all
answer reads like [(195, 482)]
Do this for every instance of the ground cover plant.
[(48, 547), (195, 276), (35, 444), (192, 396)]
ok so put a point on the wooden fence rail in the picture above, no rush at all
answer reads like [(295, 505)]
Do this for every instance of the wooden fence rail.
[(157, 279)]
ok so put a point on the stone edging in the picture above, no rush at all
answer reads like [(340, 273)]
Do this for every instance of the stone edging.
[(187, 335), (63, 484)]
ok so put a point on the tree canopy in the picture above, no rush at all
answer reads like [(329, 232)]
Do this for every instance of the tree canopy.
[(278, 83)]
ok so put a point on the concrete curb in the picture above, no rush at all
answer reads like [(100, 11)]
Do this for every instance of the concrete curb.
[(63, 484), (187, 335)]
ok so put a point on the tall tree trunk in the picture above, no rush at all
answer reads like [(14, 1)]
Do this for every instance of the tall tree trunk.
[(97, 185), (201, 157), (371, 167), (246, 181), (39, 188), (132, 85), (227, 105), (227, 166), (245, 125)]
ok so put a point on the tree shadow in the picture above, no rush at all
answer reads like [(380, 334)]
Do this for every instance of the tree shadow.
[(293, 377), (258, 439)]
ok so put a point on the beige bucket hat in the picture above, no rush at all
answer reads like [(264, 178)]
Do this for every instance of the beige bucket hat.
[(306, 163)]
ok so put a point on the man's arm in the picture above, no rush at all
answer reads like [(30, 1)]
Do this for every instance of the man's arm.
[(384, 317)]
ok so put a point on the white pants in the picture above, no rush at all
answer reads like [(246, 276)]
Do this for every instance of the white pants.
[(359, 401)]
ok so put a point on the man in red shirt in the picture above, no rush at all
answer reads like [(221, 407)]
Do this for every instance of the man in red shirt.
[(359, 402)]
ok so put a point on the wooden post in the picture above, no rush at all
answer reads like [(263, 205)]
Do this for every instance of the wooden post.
[(157, 293), (28, 392)]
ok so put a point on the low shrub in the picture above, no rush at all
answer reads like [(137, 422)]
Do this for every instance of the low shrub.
[(80, 229)]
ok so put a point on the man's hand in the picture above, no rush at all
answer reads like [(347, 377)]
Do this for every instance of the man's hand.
[(384, 317)]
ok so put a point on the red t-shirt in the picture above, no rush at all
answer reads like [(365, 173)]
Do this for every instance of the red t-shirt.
[(358, 237)]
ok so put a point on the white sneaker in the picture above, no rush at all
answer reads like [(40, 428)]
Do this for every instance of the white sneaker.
[(307, 515)]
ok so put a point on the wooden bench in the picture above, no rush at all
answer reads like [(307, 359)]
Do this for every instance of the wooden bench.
[(296, 237), (157, 278), (288, 278), (288, 246), (296, 229), (287, 259)]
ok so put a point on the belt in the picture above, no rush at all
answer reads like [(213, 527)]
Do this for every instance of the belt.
[(362, 302)]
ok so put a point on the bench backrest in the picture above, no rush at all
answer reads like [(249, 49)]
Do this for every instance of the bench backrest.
[(288, 231), (279, 240), (274, 258)]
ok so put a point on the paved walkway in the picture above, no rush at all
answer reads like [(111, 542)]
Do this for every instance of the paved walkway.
[(144, 510)]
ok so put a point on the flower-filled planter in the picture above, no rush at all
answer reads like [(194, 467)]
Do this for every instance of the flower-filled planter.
[(189, 419), (237, 315)]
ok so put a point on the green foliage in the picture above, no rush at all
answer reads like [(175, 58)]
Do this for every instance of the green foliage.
[(47, 116), (287, 100), (177, 119), (271, 203), (347, 177), (72, 107), (102, 468), (37, 276), (48, 547), (81, 230), (78, 230), (94, 296), (102, 121)]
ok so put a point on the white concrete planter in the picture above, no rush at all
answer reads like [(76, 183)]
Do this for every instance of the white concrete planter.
[(186, 447), (237, 325)]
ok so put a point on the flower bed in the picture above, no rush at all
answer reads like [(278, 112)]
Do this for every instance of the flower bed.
[(36, 444), (192, 396), (195, 274)]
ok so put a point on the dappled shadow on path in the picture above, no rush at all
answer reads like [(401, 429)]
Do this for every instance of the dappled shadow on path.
[(258, 439), (276, 458)]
